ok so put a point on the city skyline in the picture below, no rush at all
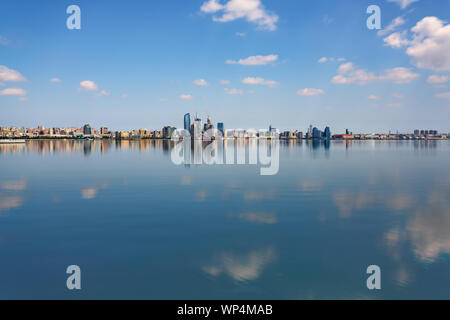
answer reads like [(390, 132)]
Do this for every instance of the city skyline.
[(120, 70)]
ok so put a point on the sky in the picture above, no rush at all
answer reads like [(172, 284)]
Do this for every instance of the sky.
[(247, 63)]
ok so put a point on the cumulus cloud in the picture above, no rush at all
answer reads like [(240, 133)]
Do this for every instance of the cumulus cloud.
[(307, 92), (323, 60), (349, 74), (88, 85), (403, 3), (373, 97), (186, 97), (396, 40), (241, 34), (11, 75), (445, 95), (255, 60), (435, 79), (233, 91), (430, 46), (251, 10), (13, 92), (201, 83), (259, 81), (55, 80), (397, 22), (225, 82)]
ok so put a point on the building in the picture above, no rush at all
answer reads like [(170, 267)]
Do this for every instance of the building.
[(187, 121), (208, 125), (196, 129), (168, 131), (103, 130), (316, 133), (87, 130), (327, 133), (221, 128)]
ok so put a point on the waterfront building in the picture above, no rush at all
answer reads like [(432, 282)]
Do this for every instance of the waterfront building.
[(168, 131), (196, 131), (316, 133), (327, 133), (187, 121), (87, 130), (221, 128)]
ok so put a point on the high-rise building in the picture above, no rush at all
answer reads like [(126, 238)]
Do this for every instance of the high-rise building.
[(221, 128), (327, 133), (103, 130), (87, 130), (197, 129), (187, 121), (208, 125), (316, 133), (168, 131)]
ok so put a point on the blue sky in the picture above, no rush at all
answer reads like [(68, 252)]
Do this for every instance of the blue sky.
[(142, 60)]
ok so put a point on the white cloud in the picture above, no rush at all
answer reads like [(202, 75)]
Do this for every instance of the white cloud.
[(103, 93), (55, 80), (225, 82), (201, 83), (259, 81), (7, 74), (435, 79), (373, 97), (403, 3), (399, 75), (430, 46), (23, 99), (307, 92), (331, 59), (397, 22), (124, 96), (88, 85), (445, 95), (13, 92), (241, 34), (211, 6), (255, 60), (251, 10), (186, 97), (348, 74), (233, 91), (396, 40)]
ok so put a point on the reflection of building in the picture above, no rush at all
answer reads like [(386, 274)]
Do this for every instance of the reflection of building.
[(187, 121)]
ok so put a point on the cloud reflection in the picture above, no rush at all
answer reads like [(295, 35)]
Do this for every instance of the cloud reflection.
[(241, 267)]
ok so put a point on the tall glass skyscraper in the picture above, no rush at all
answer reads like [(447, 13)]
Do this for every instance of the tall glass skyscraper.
[(220, 127), (187, 121)]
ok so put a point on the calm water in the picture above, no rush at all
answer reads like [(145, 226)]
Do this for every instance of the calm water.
[(140, 226)]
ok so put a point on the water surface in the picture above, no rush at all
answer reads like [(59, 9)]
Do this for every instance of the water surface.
[(141, 227)]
